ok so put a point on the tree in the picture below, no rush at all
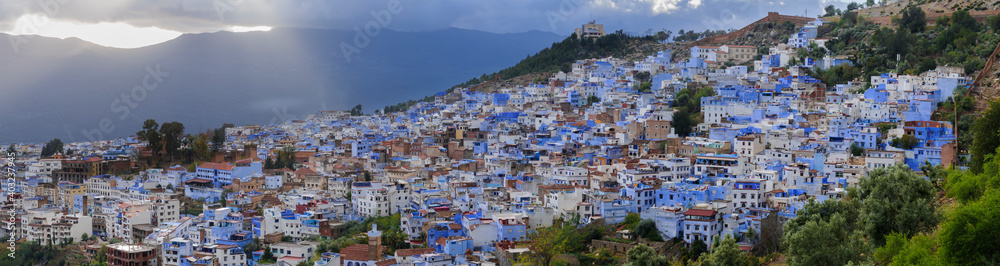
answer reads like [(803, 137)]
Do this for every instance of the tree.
[(853, 6), (895, 199), (697, 248), (643, 255), (985, 136), (84, 237), (631, 221), (962, 19), (912, 19), (898, 250), (750, 235), (664, 35), (771, 233), (150, 133), (682, 99), (200, 146), (647, 229), (252, 246), (826, 233), (602, 256), (994, 22), (970, 234), (269, 164), (815, 51), (966, 186), (905, 142), (546, 243), (268, 256), (682, 123), (284, 158), (831, 11), (172, 133), (102, 254), (356, 111), (727, 253), (893, 42), (54, 146), (642, 76), (219, 136), (857, 150), (644, 87), (870, 3), (593, 99)]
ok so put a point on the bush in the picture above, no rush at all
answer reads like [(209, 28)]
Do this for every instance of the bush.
[(647, 229)]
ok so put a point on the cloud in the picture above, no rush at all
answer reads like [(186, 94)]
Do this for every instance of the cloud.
[(560, 16)]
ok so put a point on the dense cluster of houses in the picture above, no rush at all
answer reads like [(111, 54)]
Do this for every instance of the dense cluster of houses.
[(473, 172)]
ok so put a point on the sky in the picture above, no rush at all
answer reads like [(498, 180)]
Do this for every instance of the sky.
[(139, 23)]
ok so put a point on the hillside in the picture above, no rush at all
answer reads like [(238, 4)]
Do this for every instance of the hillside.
[(763, 32), (559, 57), (56, 88), (767, 31), (963, 39), (881, 14)]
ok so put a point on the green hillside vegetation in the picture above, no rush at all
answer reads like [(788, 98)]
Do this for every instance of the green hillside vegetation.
[(956, 40), (562, 55), (559, 57), (896, 217)]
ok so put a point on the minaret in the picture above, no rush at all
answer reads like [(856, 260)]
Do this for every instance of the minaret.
[(374, 243)]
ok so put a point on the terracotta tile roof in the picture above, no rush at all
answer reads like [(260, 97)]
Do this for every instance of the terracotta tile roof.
[(356, 252), (198, 180), (386, 262), (305, 171), (697, 212), (217, 166), (413, 252)]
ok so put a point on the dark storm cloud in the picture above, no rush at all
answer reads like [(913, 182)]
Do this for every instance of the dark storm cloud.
[(559, 16)]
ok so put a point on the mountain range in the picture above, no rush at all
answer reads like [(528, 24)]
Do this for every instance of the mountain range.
[(78, 91)]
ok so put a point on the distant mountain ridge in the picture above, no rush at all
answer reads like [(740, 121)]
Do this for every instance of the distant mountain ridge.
[(77, 91)]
